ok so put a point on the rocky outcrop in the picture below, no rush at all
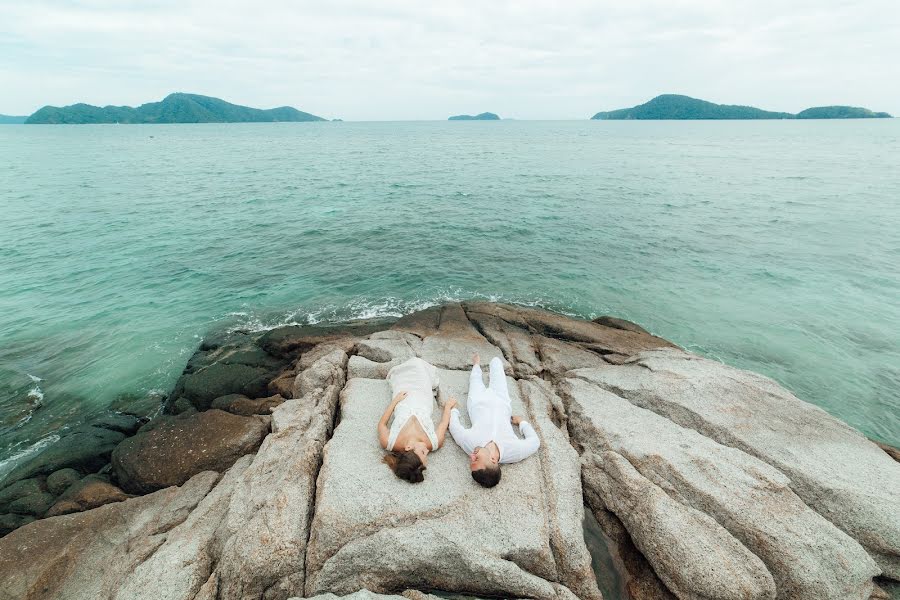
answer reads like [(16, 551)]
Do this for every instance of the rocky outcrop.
[(175, 449), (832, 467), (711, 483), (521, 539)]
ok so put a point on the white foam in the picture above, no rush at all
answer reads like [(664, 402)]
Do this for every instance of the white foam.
[(8, 464)]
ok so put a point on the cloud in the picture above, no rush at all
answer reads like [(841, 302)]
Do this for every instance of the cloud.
[(419, 60)]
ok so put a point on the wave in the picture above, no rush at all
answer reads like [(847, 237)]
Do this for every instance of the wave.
[(365, 308), (10, 462)]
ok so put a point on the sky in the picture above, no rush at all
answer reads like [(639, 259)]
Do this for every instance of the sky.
[(399, 59)]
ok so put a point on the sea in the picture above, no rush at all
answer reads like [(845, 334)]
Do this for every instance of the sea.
[(772, 246)]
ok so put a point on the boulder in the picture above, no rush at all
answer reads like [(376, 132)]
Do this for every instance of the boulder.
[(387, 346), (59, 481), (88, 555), (832, 467), (807, 556), (20, 489), (262, 541), (372, 530), (33, 504), (123, 423), (85, 448), (90, 492), (10, 522), (290, 340), (327, 371), (221, 379), (242, 405), (283, 384), (364, 368), (177, 448)]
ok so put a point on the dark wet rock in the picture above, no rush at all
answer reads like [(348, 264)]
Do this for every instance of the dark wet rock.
[(19, 489), (183, 406), (32, 504), (123, 423), (88, 493), (10, 522), (85, 448), (59, 481), (283, 384), (221, 379), (291, 340), (242, 405), (177, 448), (617, 323), (141, 406)]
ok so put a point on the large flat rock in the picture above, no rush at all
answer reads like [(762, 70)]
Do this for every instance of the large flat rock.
[(831, 466), (88, 555), (710, 504), (372, 530)]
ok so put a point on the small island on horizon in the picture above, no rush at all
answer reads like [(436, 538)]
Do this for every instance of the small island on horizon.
[(174, 108), (485, 116), (11, 120), (677, 107)]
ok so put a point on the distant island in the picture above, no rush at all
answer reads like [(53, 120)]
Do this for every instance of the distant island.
[(10, 120), (485, 116), (676, 107), (174, 108)]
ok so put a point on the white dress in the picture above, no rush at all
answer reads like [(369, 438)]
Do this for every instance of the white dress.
[(419, 379)]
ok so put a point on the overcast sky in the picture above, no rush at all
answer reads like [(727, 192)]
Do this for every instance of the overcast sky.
[(398, 59)]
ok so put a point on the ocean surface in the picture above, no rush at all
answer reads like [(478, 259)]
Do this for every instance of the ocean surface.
[(769, 245)]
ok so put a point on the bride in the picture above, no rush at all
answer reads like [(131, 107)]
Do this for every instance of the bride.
[(412, 434)]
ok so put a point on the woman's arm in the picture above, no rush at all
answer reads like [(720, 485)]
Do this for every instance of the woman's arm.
[(445, 422), (383, 432)]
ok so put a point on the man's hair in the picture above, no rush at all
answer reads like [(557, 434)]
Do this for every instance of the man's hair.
[(488, 476), (406, 465)]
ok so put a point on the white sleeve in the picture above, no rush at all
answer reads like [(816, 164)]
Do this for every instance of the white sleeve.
[(522, 449), (460, 434)]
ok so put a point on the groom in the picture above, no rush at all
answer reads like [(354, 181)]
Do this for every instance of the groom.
[(491, 439)]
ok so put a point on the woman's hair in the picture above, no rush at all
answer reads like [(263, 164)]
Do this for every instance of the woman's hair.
[(405, 465)]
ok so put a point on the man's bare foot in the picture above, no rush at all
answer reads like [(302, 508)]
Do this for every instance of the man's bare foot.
[(476, 360)]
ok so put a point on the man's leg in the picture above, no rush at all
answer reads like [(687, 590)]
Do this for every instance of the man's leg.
[(498, 379), (476, 382)]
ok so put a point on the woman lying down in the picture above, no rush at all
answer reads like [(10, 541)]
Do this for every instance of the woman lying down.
[(412, 434)]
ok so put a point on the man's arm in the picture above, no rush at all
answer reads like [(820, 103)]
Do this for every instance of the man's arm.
[(460, 434), (521, 449), (383, 431), (445, 422)]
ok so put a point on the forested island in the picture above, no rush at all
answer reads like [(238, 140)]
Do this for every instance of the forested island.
[(174, 108), (485, 116), (676, 107), (11, 120)]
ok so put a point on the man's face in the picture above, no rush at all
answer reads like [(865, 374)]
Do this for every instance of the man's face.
[(479, 459)]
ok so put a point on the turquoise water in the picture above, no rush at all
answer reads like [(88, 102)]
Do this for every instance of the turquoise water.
[(773, 246)]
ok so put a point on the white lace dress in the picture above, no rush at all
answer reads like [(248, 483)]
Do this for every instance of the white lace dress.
[(419, 379)]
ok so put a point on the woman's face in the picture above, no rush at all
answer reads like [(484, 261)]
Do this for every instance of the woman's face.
[(421, 451)]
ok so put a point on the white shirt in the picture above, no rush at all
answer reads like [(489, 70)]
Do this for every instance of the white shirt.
[(490, 412)]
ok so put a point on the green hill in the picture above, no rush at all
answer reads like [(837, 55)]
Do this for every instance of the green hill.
[(841, 112), (485, 116), (675, 107), (10, 120), (174, 108)]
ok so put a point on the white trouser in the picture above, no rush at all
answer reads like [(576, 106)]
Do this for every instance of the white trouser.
[(497, 383)]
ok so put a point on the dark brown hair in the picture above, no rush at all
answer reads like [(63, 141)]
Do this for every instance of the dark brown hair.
[(406, 465), (488, 476)]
